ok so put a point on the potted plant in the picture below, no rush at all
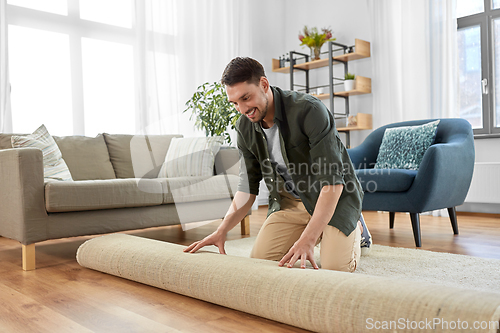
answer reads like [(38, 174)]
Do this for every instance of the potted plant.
[(313, 39), (349, 81), (212, 110)]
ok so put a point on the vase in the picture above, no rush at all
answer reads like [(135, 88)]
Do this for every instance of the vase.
[(316, 50)]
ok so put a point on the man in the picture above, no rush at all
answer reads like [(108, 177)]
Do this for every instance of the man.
[(289, 139)]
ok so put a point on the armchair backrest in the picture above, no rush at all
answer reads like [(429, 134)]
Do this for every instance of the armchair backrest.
[(449, 130)]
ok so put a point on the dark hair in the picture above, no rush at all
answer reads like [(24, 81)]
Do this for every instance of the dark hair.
[(242, 69)]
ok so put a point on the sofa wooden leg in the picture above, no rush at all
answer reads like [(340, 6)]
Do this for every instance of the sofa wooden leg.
[(245, 226), (392, 215), (29, 257), (415, 223), (453, 218)]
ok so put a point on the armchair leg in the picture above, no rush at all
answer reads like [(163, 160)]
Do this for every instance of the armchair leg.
[(415, 223), (28, 257), (245, 226), (392, 215), (453, 218)]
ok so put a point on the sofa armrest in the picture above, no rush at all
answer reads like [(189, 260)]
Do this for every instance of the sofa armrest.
[(22, 205), (227, 161), (445, 175)]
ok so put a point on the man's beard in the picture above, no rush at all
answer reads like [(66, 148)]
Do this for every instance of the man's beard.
[(264, 111)]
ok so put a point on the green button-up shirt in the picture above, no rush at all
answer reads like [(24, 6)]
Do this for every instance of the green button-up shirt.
[(313, 152)]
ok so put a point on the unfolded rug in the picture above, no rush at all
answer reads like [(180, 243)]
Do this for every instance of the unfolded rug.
[(317, 300), (453, 270)]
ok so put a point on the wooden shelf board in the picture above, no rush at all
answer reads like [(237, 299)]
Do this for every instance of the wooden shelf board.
[(350, 57), (322, 96), (352, 128), (362, 51), (363, 122), (352, 93), (276, 67), (314, 64), (285, 70), (363, 86)]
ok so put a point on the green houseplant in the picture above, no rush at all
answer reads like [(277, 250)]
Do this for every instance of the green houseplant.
[(212, 110), (349, 81)]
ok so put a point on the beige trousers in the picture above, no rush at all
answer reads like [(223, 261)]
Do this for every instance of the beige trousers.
[(284, 227)]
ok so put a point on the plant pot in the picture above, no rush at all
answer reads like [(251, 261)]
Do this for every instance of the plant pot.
[(349, 85)]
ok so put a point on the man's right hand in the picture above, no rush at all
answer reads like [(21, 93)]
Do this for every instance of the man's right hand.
[(216, 238)]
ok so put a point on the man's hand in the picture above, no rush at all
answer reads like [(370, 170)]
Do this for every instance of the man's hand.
[(303, 250), (216, 238)]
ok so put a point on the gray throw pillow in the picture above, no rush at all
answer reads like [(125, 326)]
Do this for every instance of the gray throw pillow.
[(404, 147)]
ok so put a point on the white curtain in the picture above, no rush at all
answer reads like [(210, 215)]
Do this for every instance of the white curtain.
[(414, 60), (415, 67), (5, 110), (183, 44)]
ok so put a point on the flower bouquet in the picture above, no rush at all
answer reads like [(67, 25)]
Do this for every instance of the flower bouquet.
[(314, 39)]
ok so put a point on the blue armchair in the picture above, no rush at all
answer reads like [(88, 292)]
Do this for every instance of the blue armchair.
[(442, 180)]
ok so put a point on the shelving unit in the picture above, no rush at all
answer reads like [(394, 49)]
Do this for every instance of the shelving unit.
[(362, 84)]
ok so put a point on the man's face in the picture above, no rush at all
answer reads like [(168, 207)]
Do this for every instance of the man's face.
[(249, 99)]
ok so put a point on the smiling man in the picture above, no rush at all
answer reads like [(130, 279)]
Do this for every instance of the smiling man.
[(289, 139)]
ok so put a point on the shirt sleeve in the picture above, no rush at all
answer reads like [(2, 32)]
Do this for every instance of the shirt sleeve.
[(250, 172), (326, 149)]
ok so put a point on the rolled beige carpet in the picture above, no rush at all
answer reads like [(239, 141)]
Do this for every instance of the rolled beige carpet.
[(317, 300)]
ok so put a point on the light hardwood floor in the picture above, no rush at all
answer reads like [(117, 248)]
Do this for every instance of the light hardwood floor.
[(61, 296)]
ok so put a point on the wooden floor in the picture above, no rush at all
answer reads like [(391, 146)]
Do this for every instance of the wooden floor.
[(61, 296)]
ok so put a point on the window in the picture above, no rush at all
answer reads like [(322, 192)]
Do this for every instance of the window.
[(74, 65), (479, 64)]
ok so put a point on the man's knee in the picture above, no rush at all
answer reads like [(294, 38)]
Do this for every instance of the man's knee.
[(336, 265), (260, 253)]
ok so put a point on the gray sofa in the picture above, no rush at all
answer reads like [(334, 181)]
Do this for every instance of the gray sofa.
[(114, 188)]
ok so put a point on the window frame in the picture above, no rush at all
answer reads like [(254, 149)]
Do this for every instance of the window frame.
[(485, 20)]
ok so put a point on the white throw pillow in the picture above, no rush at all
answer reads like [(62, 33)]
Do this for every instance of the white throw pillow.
[(190, 157), (54, 167)]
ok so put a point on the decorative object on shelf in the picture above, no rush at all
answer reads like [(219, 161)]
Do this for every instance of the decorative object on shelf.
[(352, 120), (213, 111), (349, 81), (314, 39)]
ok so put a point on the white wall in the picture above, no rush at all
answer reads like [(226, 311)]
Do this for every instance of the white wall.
[(487, 150)]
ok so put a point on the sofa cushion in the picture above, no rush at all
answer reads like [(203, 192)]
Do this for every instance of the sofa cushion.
[(404, 147), (137, 156), (386, 180), (87, 158), (54, 166), (101, 194), (191, 157), (190, 189)]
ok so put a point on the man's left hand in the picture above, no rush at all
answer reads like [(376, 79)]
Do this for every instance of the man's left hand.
[(302, 250)]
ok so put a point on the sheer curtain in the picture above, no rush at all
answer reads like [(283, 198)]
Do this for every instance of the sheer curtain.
[(5, 110), (183, 44), (415, 67), (414, 60)]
